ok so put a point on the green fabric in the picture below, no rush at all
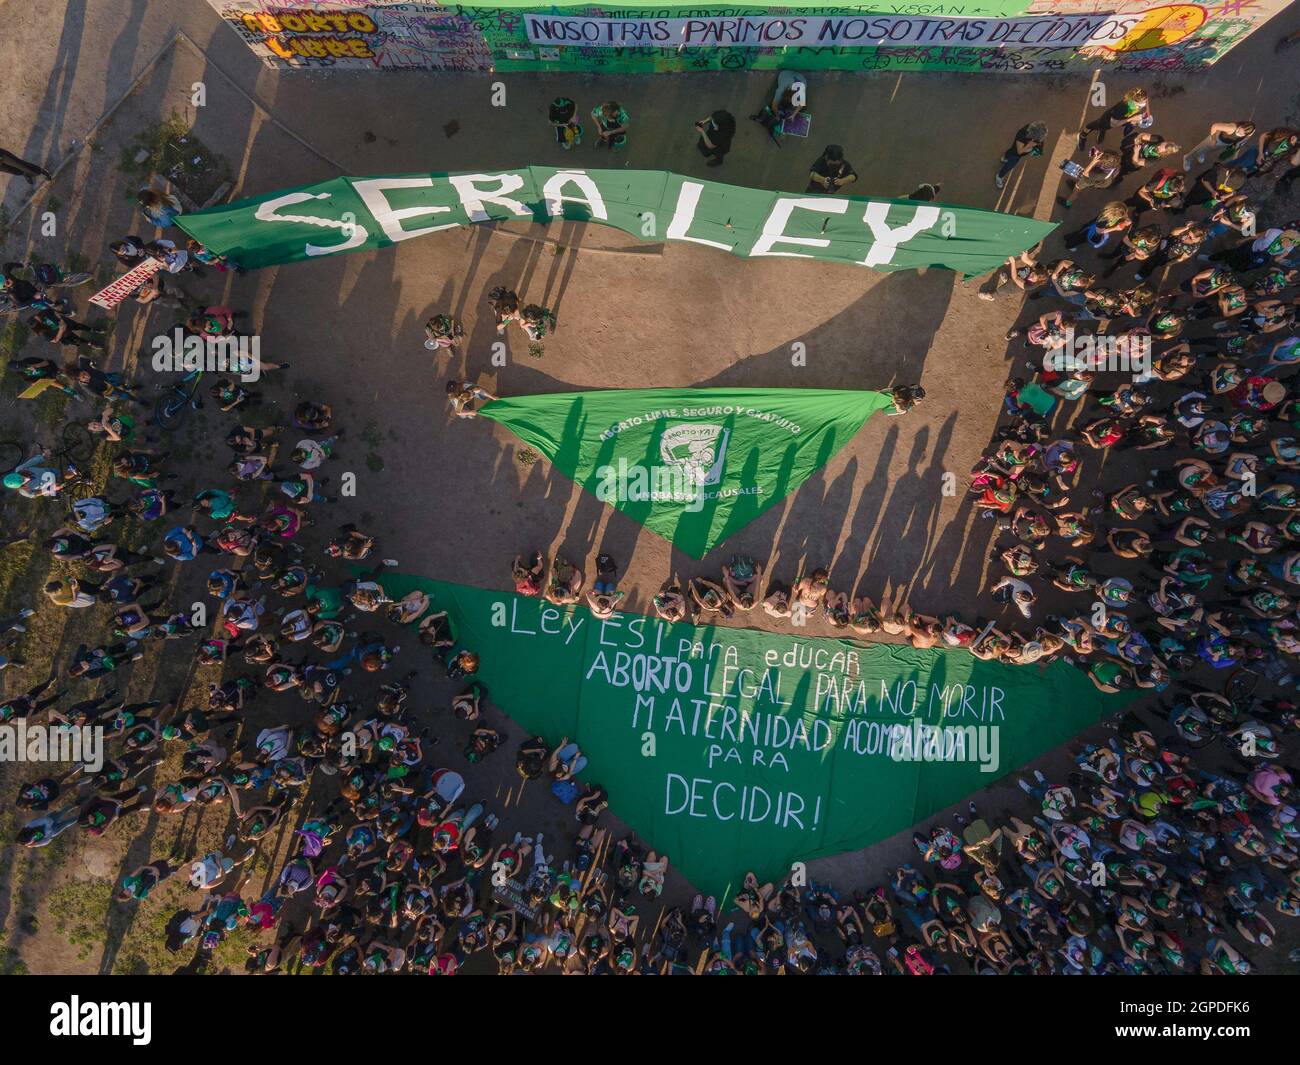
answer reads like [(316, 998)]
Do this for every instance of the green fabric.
[(1039, 401), (340, 215), (716, 457), (618, 685)]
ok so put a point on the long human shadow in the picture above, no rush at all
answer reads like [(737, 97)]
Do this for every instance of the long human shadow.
[(907, 526), (812, 518), (863, 525), (879, 340), (54, 105)]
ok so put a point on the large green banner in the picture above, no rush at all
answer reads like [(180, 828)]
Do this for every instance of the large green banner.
[(691, 464), (734, 749), (354, 214)]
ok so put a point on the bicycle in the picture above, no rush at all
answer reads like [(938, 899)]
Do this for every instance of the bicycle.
[(1239, 688), (71, 280), (12, 454), (171, 410), (78, 443), (47, 275), (1223, 718), (75, 451)]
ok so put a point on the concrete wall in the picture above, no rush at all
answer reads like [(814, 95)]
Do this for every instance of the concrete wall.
[(1017, 36)]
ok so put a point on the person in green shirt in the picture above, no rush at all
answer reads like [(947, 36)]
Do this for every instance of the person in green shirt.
[(611, 125)]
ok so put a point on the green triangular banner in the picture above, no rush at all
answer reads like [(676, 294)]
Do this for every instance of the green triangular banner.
[(735, 749), (690, 464)]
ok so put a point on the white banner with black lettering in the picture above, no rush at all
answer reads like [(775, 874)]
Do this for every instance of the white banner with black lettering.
[(853, 31)]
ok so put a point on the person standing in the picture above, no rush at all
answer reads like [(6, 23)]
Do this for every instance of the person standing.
[(11, 164), (716, 133), (1132, 112), (831, 171), (161, 208), (563, 117), (1029, 140), (1226, 141)]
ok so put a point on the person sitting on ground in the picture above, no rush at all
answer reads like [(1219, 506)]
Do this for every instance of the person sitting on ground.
[(809, 592), (462, 394), (789, 97), (669, 603), (442, 332), (906, 397), (604, 595), (564, 586), (709, 598), (528, 574), (740, 578)]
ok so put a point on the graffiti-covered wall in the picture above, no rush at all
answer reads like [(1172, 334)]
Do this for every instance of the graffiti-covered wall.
[(1022, 36)]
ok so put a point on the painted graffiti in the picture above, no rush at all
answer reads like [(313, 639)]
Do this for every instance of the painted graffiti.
[(1137, 36), (345, 33)]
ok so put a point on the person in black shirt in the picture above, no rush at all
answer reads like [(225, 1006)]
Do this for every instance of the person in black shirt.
[(716, 133), (18, 291), (1029, 140), (831, 172), (563, 117)]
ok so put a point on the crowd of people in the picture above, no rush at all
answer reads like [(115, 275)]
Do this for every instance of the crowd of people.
[(1170, 847)]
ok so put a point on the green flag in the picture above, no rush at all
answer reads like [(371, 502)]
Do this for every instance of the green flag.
[(734, 749), (691, 464), (356, 214)]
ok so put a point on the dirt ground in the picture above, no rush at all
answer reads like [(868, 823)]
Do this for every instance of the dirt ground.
[(447, 497)]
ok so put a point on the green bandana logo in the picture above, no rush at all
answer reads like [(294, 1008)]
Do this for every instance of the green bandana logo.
[(697, 450), (693, 465)]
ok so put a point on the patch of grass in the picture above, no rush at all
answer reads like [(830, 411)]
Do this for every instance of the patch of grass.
[(13, 338), (80, 912), (526, 456), (232, 951), (374, 463), (11, 963), (144, 948), (52, 408), (18, 565), (148, 153), (169, 148), (371, 434)]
